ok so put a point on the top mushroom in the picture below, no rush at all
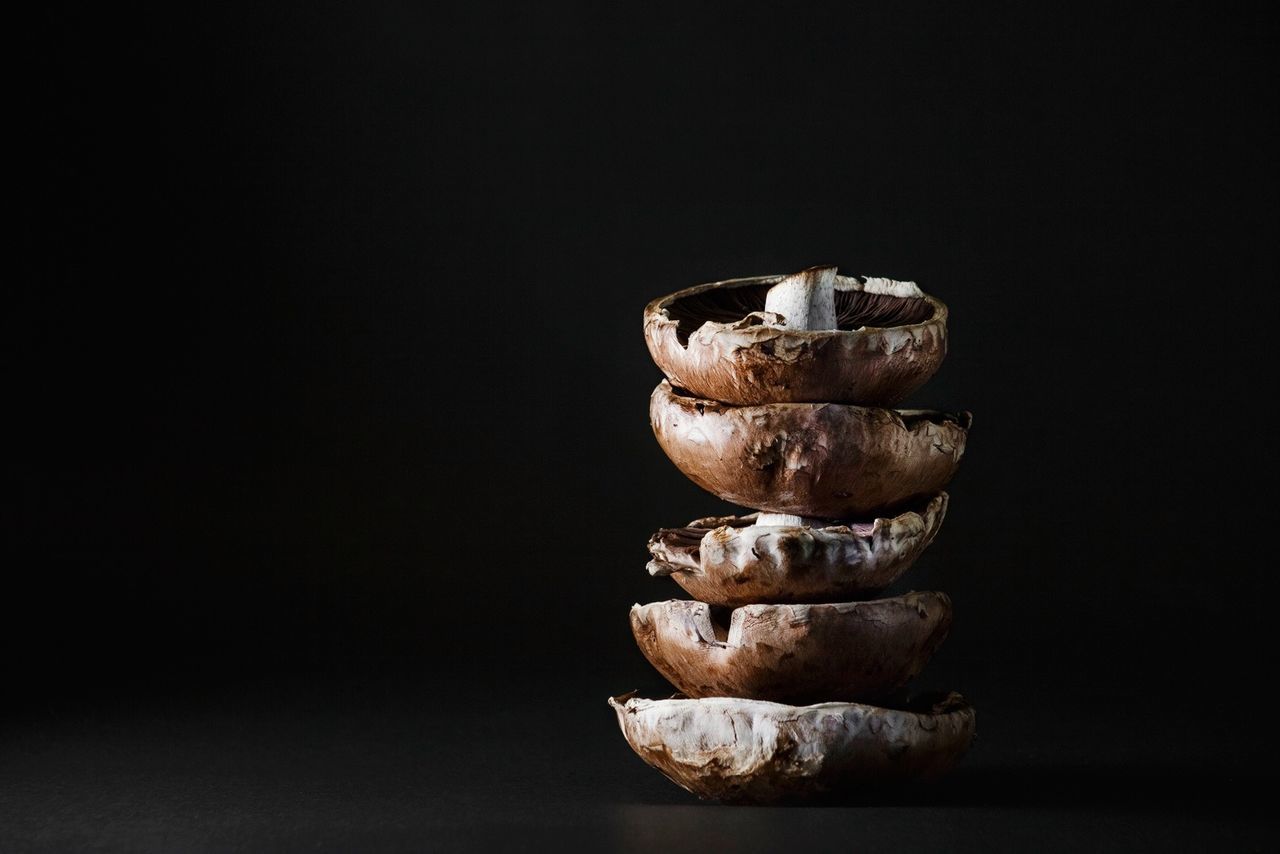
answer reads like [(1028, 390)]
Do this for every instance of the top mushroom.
[(812, 337)]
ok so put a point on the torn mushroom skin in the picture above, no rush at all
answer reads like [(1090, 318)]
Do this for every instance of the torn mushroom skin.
[(733, 340), (734, 560), (852, 651), (757, 752), (831, 461)]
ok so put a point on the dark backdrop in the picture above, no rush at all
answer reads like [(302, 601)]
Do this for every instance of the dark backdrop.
[(329, 476)]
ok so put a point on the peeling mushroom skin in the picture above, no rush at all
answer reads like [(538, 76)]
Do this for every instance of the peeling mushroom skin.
[(733, 561), (717, 341), (853, 651), (756, 752), (832, 461)]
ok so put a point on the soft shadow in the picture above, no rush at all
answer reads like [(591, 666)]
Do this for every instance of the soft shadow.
[(1185, 789), (1203, 791)]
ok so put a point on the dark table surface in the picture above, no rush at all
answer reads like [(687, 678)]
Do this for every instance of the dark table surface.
[(311, 764)]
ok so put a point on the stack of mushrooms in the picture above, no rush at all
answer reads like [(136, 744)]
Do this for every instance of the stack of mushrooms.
[(790, 672)]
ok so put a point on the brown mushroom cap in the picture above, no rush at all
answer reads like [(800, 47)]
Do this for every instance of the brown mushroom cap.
[(851, 651), (828, 460), (730, 560), (714, 340), (751, 751)]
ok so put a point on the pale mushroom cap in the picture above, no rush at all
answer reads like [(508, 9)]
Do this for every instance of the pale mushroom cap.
[(751, 751), (717, 341), (831, 461), (850, 651), (731, 561)]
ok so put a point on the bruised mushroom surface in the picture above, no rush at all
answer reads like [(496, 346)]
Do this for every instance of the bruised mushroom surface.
[(718, 341), (852, 651), (732, 560), (832, 461), (756, 752)]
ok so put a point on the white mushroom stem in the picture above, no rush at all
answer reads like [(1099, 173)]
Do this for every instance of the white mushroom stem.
[(806, 300), (787, 520)]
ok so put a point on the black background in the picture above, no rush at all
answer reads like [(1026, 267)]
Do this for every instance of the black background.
[(329, 473)]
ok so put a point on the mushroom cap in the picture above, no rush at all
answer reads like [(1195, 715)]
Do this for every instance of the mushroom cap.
[(829, 460), (752, 751), (851, 651), (714, 340), (729, 560)]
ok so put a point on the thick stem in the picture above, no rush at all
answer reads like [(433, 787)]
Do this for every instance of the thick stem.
[(788, 520), (806, 300)]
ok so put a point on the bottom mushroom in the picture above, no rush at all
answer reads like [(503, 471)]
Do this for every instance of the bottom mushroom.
[(756, 752)]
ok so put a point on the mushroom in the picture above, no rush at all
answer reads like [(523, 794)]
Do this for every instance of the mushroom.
[(733, 560), (757, 752), (794, 653), (833, 461), (743, 342)]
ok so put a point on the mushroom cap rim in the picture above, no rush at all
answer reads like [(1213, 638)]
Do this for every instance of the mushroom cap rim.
[(843, 527), (940, 703), (656, 310), (963, 417)]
